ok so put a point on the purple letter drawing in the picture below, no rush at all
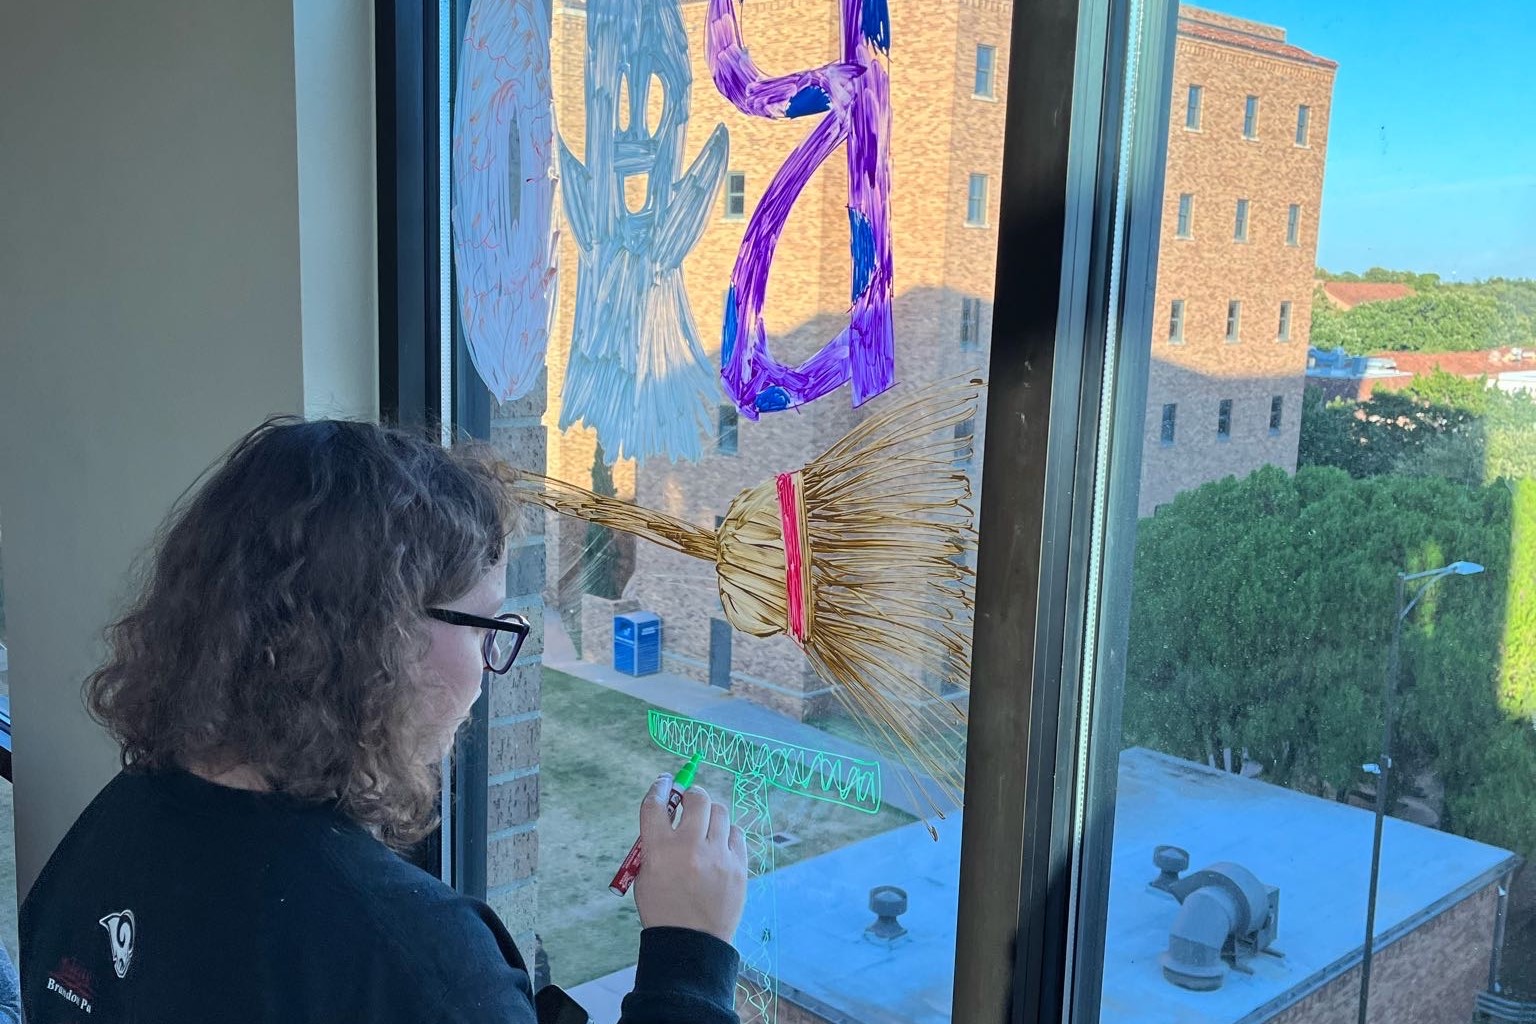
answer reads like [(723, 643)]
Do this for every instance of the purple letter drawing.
[(855, 95), (504, 241)]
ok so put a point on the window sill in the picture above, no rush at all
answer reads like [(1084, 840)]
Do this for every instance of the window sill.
[(971, 224), (1234, 341), (734, 216), (984, 99)]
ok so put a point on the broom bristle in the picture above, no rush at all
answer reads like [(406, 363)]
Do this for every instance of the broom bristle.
[(888, 535), (890, 531)]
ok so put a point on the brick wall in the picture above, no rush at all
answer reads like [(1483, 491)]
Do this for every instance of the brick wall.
[(1430, 976), (1217, 166), (518, 435)]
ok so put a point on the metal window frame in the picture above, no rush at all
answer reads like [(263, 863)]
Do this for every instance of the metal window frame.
[(408, 45), (1033, 880)]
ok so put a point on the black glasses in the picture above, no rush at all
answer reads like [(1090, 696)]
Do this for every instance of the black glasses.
[(504, 635)]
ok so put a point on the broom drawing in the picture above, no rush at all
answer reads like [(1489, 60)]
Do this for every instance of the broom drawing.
[(859, 558)]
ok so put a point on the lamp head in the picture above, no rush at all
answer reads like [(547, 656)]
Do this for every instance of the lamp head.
[(1465, 568)]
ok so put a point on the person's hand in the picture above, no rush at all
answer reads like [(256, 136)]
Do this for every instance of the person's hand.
[(695, 875)]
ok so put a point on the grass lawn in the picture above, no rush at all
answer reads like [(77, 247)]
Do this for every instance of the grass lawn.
[(596, 763)]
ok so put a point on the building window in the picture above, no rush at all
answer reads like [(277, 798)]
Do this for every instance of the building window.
[(976, 201), (1170, 422), (1224, 420), (1303, 124), (986, 58), (725, 439), (1251, 117), (1234, 318), (1293, 225), (1240, 224), (1186, 214), (1176, 321), (965, 435), (1285, 321), (1276, 414), (1192, 107), (970, 324), (735, 195)]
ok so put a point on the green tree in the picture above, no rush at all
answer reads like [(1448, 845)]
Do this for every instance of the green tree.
[(600, 551), (1260, 620)]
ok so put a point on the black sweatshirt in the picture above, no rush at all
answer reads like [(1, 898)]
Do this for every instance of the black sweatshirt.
[(176, 900)]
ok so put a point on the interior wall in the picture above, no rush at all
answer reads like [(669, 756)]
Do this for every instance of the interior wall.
[(152, 309)]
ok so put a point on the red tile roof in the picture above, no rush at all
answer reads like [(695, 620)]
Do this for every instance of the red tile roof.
[(1248, 41), (1349, 294), (1488, 363)]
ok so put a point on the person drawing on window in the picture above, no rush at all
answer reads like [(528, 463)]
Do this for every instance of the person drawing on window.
[(311, 632)]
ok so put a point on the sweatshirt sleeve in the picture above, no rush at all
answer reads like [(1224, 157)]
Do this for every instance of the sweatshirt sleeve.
[(683, 977)]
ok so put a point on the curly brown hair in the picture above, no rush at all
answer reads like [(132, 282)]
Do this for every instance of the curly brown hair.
[(280, 622)]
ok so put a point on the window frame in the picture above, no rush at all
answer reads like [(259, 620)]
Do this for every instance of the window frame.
[(1287, 310), (1169, 430), (1251, 117), (1234, 321), (1184, 219), (1276, 415), (1240, 222), (731, 195), (970, 323), (1027, 946), (1224, 420), (727, 423), (1194, 107), (1303, 126), (972, 200), (1293, 225), (991, 73), (1176, 313)]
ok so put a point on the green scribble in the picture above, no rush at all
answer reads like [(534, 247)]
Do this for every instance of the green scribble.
[(757, 765)]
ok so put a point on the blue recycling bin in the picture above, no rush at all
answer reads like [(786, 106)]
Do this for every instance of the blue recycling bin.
[(637, 643)]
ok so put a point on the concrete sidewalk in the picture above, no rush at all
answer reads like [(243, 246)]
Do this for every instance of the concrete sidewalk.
[(900, 787)]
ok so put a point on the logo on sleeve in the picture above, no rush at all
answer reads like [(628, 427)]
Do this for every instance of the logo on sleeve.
[(120, 930)]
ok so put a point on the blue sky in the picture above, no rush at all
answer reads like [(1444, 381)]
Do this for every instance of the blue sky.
[(1432, 150)]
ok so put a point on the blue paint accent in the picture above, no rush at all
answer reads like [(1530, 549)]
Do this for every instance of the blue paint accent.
[(812, 99), (862, 244), (728, 332), (774, 399), (877, 24)]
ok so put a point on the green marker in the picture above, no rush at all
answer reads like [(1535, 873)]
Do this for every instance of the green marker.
[(631, 866)]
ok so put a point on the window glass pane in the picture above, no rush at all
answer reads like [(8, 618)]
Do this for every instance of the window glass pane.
[(976, 201), (1325, 603), (985, 57), (1170, 422), (735, 194), (1176, 321), (1186, 215), (1240, 225), (651, 400), (1192, 107)]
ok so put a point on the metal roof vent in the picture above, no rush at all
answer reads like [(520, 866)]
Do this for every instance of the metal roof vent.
[(888, 903), (1226, 918)]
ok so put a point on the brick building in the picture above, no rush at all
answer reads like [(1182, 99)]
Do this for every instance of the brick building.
[(1247, 140), (948, 77)]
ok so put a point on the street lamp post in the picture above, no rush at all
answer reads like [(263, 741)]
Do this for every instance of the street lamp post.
[(1383, 768)]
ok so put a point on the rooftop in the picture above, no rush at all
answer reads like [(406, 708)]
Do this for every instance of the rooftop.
[(1238, 33), (1349, 294), (1316, 851)]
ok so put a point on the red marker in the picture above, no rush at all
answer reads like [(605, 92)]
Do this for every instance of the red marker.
[(631, 866)]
